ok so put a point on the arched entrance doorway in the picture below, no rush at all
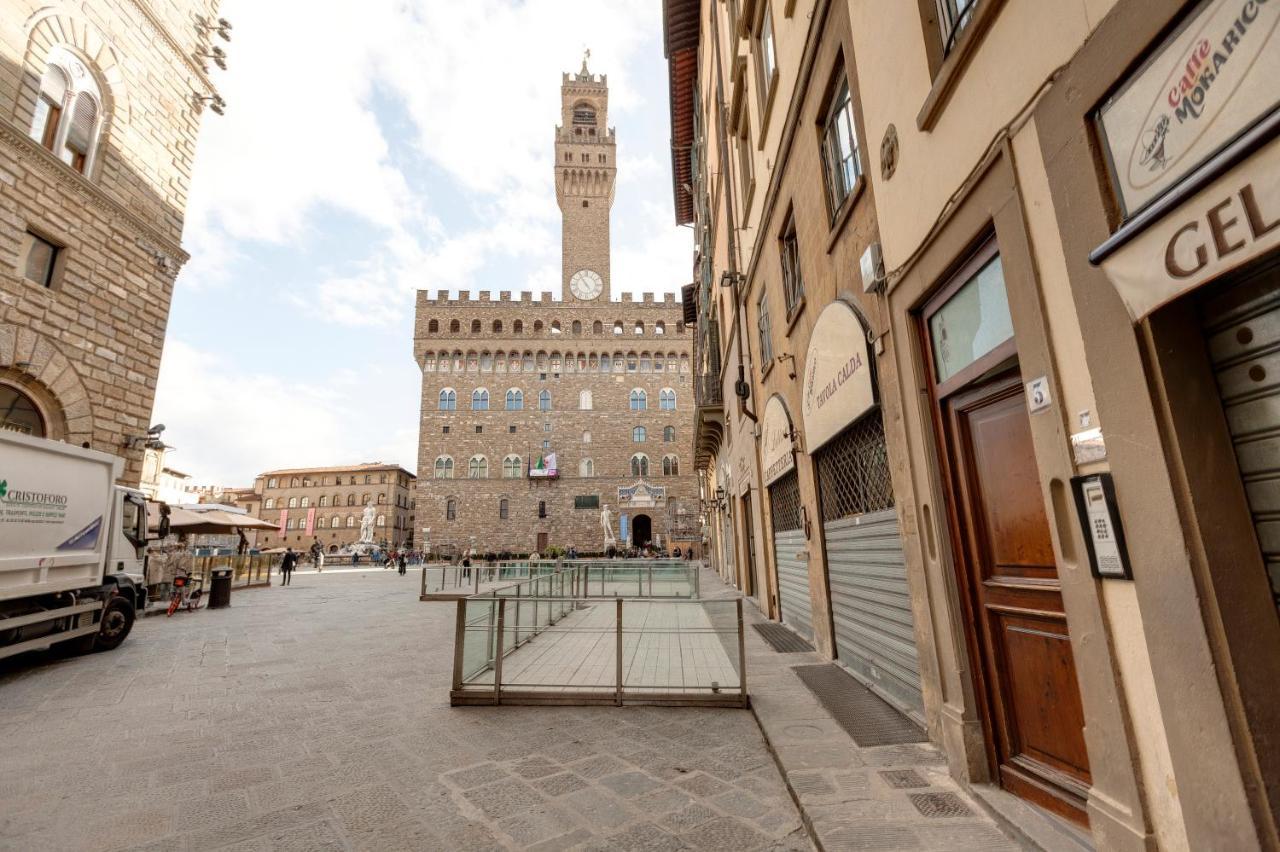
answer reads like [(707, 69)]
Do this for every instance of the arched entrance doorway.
[(641, 530), (18, 412)]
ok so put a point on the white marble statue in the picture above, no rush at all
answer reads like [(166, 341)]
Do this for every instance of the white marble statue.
[(366, 523), (606, 524)]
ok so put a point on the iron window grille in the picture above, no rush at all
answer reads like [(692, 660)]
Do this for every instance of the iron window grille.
[(953, 17), (853, 471), (784, 499)]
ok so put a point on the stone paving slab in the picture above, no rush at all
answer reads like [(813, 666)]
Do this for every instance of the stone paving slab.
[(317, 717), (855, 798)]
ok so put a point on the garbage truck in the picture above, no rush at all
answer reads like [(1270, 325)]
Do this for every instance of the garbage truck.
[(73, 547)]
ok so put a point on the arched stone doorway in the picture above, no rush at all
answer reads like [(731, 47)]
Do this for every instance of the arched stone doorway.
[(641, 530), (20, 413)]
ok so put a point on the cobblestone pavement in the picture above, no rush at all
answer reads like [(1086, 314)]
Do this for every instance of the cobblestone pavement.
[(316, 717)]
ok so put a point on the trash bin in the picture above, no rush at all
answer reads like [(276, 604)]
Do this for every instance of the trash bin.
[(220, 588)]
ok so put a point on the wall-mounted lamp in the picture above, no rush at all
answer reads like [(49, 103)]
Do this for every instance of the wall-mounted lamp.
[(217, 54), (222, 27), (729, 279), (215, 102)]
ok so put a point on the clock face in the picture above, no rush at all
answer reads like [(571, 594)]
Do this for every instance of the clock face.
[(586, 284)]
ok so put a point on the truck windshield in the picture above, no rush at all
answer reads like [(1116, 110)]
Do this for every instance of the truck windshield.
[(132, 515)]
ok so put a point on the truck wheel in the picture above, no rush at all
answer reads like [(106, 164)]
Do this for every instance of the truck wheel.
[(117, 620)]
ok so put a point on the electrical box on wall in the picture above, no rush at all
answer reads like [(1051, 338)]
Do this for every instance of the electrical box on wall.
[(872, 264)]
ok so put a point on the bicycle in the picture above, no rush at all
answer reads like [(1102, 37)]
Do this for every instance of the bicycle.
[(187, 591)]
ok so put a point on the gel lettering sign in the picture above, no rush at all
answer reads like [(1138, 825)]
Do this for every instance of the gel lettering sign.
[(1228, 223), (775, 441), (1212, 78), (837, 375)]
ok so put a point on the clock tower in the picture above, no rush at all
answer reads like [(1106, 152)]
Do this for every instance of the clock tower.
[(585, 173)]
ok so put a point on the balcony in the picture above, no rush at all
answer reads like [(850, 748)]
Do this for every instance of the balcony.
[(707, 392)]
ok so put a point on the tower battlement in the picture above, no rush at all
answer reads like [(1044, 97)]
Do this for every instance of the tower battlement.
[(507, 298)]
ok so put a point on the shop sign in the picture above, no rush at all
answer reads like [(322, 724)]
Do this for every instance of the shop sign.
[(775, 441), (744, 457), (837, 375), (1230, 222), (1214, 77)]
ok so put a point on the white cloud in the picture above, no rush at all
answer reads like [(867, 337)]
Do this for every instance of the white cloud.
[(229, 424)]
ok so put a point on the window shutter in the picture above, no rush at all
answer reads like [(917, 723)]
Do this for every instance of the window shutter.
[(54, 85), (83, 117)]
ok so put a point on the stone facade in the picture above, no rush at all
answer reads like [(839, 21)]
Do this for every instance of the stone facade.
[(590, 356), (83, 345), (325, 504)]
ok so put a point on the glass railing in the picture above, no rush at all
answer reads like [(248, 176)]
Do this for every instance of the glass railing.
[(590, 632)]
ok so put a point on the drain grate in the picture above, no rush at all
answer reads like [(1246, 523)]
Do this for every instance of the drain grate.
[(940, 805), (863, 715), (902, 779), (781, 639)]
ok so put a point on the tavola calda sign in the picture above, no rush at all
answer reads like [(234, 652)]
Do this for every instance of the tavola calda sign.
[(837, 375)]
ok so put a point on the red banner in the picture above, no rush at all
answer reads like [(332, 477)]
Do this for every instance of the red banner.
[(284, 519), (311, 520)]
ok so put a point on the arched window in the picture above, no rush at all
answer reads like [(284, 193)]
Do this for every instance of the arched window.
[(606, 365), (351, 521), (639, 329), (364, 498), (658, 364), (475, 326), (293, 483), (555, 326), (668, 434), (586, 467), (382, 499), (584, 115), (638, 435), (639, 465), (478, 468), (645, 363), (433, 327), (584, 400), (597, 327), (444, 467), (586, 437), (577, 327), (480, 399), (517, 327), (504, 509), (271, 483), (448, 400), (306, 501), (515, 400), (486, 362), (455, 326), (293, 502), (270, 503), (497, 326), (511, 467), (68, 113), (337, 498), (320, 523), (544, 400), (667, 399), (451, 509), (324, 501), (382, 520), (633, 363), (639, 400), (537, 326), (670, 466), (351, 499), (617, 327), (659, 327)]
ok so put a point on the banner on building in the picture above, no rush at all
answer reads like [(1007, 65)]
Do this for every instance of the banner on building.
[(284, 520), (311, 520), (544, 467)]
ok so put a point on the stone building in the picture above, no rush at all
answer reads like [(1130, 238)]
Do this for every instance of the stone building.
[(101, 105), (325, 504), (538, 412), (1048, 236)]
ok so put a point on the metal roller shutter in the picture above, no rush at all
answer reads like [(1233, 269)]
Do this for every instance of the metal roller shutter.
[(866, 569), (1242, 333), (788, 541)]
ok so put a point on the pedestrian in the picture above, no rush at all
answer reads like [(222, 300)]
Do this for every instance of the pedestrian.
[(466, 564), (320, 562), (355, 559), (287, 565), (403, 563)]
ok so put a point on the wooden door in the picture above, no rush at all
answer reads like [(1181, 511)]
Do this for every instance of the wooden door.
[(542, 543), (1017, 627)]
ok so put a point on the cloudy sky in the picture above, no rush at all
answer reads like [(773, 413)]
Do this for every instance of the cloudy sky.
[(372, 148)]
